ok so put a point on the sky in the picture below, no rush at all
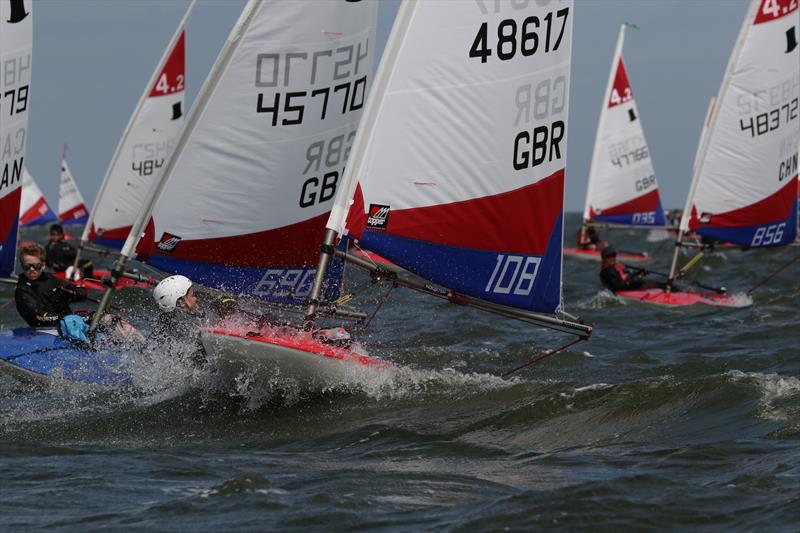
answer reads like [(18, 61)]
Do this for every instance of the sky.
[(92, 59)]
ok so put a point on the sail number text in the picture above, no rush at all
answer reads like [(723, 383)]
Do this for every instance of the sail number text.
[(625, 153), (647, 217), (15, 100), (286, 282), (293, 108), (770, 120), (147, 167), (533, 35), (336, 77), (513, 274), (766, 235)]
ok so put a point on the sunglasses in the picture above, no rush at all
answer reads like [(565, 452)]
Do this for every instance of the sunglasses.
[(28, 266)]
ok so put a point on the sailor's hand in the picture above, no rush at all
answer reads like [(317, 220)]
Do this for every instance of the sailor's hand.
[(227, 306)]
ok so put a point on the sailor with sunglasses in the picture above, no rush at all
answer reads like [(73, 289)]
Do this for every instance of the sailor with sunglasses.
[(42, 299)]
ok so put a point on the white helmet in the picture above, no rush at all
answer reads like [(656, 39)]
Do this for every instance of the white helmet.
[(169, 290)]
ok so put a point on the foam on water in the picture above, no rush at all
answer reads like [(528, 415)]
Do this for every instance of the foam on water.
[(775, 391)]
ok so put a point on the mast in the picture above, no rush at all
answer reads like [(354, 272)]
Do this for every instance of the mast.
[(161, 63), (601, 123), (366, 128), (206, 91), (705, 140)]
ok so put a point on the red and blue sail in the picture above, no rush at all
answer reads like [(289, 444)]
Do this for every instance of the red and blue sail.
[(454, 175), (622, 185), (16, 41), (250, 185), (746, 178)]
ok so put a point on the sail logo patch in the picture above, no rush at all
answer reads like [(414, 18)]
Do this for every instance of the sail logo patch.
[(168, 242), (378, 217)]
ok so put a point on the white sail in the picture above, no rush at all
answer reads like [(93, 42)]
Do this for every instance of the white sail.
[(144, 148), (251, 182), (745, 184), (622, 185), (457, 173), (71, 207), (16, 43)]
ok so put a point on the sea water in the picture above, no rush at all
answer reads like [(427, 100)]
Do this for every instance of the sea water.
[(666, 418)]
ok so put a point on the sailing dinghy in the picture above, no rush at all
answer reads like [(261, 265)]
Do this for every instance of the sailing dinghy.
[(138, 161), (243, 201), (622, 189), (448, 149), (41, 354), (34, 209), (744, 189)]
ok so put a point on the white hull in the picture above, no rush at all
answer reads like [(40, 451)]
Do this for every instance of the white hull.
[(260, 362)]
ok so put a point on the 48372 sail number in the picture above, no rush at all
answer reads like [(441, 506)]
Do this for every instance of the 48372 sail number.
[(533, 36), (770, 120)]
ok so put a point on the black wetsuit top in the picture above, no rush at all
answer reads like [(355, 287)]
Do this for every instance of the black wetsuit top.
[(616, 278), (60, 255), (45, 301)]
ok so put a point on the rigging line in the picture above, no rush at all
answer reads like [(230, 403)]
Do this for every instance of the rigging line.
[(365, 253), (378, 307), (765, 280), (543, 356)]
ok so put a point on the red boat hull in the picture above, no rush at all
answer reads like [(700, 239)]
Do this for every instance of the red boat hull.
[(684, 298)]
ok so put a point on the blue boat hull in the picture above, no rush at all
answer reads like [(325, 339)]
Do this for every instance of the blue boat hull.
[(38, 355)]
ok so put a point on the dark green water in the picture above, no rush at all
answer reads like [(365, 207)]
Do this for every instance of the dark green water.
[(666, 419)]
